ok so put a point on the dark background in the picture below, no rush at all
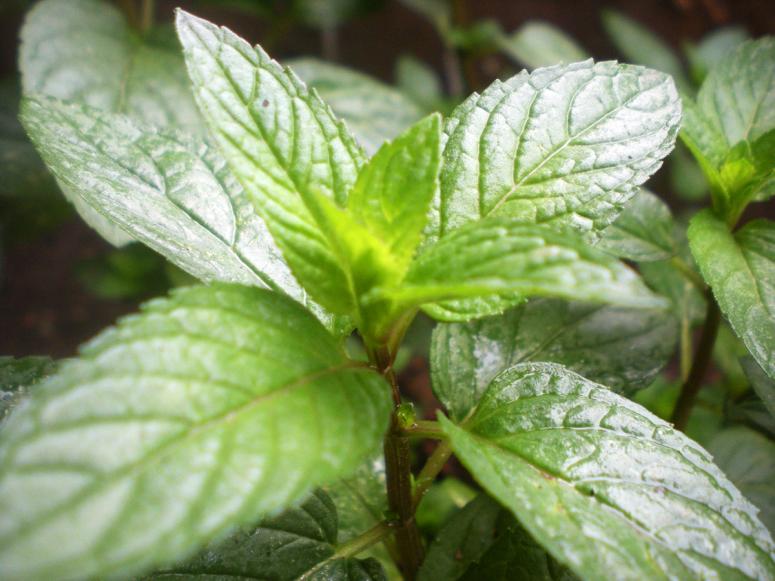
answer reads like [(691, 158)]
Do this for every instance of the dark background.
[(44, 307)]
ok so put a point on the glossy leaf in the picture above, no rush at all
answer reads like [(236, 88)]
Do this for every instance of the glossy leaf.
[(603, 485), (283, 144), (373, 111), (622, 348), (762, 385), (748, 459), (541, 44), (642, 46), (395, 188), (566, 145), (503, 258), (172, 192), (176, 426), (740, 270), (643, 232), (85, 51), (17, 375), (301, 541)]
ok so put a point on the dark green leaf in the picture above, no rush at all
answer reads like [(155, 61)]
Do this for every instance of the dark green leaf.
[(621, 348), (643, 232), (17, 376), (283, 144), (748, 459), (762, 385), (604, 486), (176, 426), (442, 499), (566, 145), (740, 270)]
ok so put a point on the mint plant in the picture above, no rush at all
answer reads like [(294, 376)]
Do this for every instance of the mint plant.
[(224, 430)]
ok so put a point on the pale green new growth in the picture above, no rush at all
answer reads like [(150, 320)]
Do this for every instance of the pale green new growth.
[(210, 409), (604, 485)]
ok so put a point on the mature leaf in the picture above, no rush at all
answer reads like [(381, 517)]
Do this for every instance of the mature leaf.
[(85, 51), (373, 111), (360, 498), (712, 49), (172, 192), (642, 46), (566, 145), (762, 385), (283, 143), (603, 485), (174, 427), (17, 375), (298, 542), (622, 348), (541, 44), (643, 232), (748, 459), (740, 270), (506, 259), (395, 188), (443, 499), (419, 81), (483, 541)]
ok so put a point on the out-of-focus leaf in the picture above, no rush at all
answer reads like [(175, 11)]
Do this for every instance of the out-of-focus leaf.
[(541, 44)]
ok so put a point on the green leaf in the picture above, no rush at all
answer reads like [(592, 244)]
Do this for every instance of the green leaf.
[(640, 45), (603, 485), (420, 82), (622, 348), (541, 44), (17, 375), (395, 188), (85, 51), (176, 426), (712, 49), (686, 176), (443, 499), (740, 270), (762, 385), (483, 541), (170, 191), (643, 232), (301, 541), (566, 145), (373, 111), (506, 259), (748, 459), (283, 144)]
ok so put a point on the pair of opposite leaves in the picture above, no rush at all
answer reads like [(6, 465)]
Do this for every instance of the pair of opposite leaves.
[(207, 440)]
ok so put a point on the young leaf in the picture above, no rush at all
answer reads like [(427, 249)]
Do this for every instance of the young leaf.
[(84, 51), (740, 270), (395, 188), (172, 192), (566, 145), (643, 232), (603, 485), (174, 427), (283, 143), (296, 544), (17, 376), (640, 45), (622, 348), (748, 459), (374, 112), (504, 258), (541, 44)]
